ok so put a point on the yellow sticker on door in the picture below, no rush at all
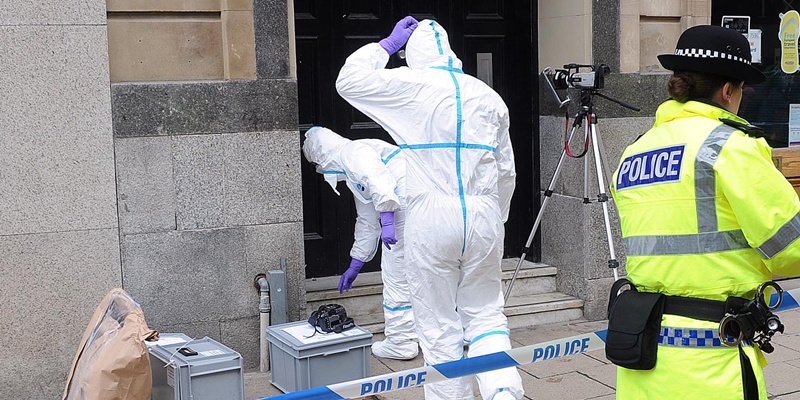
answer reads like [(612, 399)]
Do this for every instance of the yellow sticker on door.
[(790, 27)]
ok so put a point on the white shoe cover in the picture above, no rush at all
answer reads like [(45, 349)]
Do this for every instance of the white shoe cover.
[(402, 351), (504, 395)]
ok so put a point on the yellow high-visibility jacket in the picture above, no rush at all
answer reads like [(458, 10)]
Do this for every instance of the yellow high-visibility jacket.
[(704, 213)]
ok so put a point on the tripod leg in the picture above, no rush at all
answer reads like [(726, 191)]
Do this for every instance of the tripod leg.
[(547, 194), (586, 172), (603, 161), (602, 197)]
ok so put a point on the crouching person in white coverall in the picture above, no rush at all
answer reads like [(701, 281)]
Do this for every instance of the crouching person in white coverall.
[(460, 175), (375, 172)]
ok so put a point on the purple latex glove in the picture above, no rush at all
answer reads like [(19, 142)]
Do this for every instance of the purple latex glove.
[(346, 282), (387, 229), (399, 36)]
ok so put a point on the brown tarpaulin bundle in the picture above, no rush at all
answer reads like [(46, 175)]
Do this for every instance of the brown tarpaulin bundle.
[(112, 362)]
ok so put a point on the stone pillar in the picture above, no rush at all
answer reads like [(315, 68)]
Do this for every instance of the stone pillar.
[(59, 243), (208, 174)]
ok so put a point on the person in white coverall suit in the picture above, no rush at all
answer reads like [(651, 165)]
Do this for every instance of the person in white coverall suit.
[(459, 181), (375, 173)]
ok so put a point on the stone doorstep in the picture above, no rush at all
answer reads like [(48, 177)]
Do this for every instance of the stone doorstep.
[(320, 289), (521, 312), (534, 300), (528, 282)]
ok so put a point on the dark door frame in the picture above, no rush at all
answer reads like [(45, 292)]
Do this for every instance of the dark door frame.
[(325, 31)]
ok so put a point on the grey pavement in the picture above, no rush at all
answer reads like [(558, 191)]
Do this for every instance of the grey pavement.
[(582, 376)]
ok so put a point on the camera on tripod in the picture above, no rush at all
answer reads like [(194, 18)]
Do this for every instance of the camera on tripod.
[(572, 76), (589, 82)]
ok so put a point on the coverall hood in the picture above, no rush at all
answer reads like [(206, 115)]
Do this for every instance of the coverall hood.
[(428, 46), (322, 147)]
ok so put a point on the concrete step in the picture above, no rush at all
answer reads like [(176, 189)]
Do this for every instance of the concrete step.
[(533, 301), (533, 278), (521, 312), (540, 309)]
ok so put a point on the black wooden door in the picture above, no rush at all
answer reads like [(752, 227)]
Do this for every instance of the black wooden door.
[(495, 41)]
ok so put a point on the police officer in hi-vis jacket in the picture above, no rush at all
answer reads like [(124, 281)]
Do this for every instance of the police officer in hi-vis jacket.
[(706, 218)]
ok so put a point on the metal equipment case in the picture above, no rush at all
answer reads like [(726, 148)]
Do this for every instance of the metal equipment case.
[(298, 362), (200, 369)]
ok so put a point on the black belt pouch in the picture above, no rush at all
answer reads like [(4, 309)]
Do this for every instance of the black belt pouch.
[(634, 324)]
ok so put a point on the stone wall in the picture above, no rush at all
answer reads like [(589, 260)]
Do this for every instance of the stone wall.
[(180, 190), (648, 28), (565, 31), (59, 242), (209, 189), (170, 40)]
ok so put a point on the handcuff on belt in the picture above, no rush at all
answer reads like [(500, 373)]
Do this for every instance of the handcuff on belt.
[(753, 321)]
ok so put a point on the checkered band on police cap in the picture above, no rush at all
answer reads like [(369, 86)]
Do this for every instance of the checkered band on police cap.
[(703, 53), (713, 50)]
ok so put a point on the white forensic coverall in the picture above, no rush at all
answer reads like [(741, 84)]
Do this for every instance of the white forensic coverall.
[(374, 171), (459, 181)]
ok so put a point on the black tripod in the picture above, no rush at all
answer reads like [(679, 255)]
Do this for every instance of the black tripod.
[(587, 118)]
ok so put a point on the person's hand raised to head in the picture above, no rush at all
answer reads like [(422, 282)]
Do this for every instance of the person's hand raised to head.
[(399, 36)]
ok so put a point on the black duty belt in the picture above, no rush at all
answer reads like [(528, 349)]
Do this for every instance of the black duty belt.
[(690, 307), (702, 309)]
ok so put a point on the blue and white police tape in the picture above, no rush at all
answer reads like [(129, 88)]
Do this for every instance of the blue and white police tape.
[(470, 366)]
